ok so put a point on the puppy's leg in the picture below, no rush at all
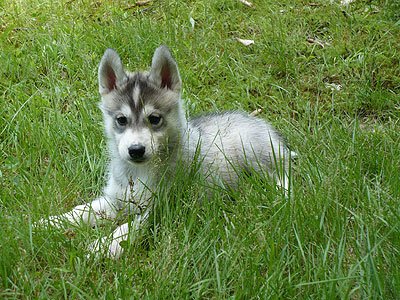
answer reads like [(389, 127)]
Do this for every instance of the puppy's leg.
[(283, 170), (283, 180), (112, 244), (283, 183), (89, 213)]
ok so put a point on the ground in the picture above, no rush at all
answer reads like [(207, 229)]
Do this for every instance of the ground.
[(325, 74)]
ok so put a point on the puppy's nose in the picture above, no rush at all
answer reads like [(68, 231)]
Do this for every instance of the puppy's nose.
[(136, 152)]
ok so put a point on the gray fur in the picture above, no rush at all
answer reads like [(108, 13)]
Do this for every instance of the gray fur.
[(164, 71), (147, 131), (111, 72)]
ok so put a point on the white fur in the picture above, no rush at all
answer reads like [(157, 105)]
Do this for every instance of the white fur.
[(226, 142)]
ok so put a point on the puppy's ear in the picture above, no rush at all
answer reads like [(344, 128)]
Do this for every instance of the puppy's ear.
[(111, 72), (164, 71)]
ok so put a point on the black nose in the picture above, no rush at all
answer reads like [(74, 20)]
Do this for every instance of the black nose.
[(136, 152)]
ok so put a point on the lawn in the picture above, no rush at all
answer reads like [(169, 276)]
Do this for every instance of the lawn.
[(325, 74)]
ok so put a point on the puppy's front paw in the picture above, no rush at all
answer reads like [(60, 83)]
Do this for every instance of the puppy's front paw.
[(52, 221), (115, 250), (106, 246)]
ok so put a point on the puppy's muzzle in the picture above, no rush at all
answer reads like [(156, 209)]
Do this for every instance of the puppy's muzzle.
[(136, 152)]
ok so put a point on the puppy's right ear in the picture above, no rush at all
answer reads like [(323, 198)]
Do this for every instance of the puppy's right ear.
[(164, 71), (111, 72)]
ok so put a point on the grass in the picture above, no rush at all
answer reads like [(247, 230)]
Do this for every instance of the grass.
[(335, 237)]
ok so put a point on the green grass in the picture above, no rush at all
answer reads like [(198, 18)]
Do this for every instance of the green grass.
[(335, 237)]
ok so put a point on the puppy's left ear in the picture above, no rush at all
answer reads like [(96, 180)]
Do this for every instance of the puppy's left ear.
[(111, 72), (164, 71)]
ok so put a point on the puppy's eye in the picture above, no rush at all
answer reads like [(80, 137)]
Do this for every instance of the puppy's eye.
[(122, 120), (154, 119)]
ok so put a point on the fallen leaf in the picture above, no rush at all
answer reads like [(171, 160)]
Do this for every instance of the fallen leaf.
[(333, 86), (256, 112), (317, 41), (139, 3), (192, 22), (245, 42), (249, 4), (346, 2)]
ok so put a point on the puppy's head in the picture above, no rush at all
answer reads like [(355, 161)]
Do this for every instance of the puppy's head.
[(142, 111)]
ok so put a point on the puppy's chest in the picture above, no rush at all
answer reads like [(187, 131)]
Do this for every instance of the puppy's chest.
[(130, 188)]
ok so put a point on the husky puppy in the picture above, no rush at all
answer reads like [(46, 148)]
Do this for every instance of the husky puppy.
[(147, 131)]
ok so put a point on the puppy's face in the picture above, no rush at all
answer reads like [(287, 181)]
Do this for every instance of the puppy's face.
[(142, 111), (141, 119)]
